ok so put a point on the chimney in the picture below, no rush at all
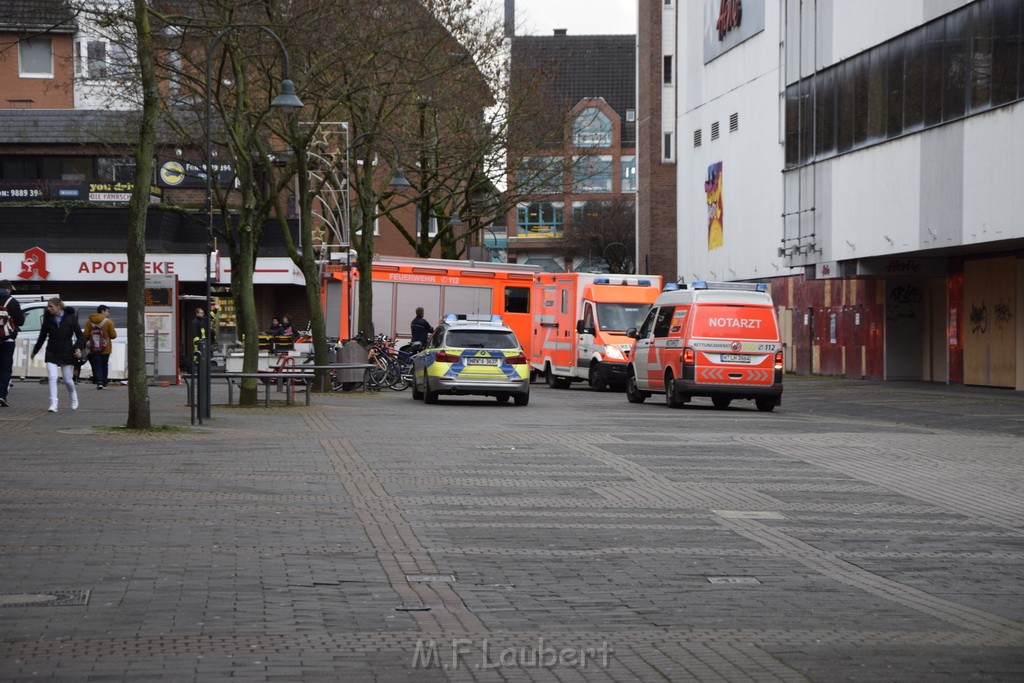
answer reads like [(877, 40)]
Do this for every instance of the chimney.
[(561, 31), (510, 18)]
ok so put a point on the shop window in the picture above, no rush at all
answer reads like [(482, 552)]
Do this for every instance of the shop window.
[(540, 218)]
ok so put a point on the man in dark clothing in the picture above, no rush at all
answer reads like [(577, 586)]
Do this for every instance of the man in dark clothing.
[(421, 329), (11, 318)]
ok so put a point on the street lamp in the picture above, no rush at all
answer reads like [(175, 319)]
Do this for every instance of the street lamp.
[(286, 99), (494, 243)]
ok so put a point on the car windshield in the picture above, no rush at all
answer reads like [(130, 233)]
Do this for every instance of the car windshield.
[(481, 339), (621, 317)]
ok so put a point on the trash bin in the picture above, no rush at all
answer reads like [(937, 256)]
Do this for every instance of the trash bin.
[(350, 352)]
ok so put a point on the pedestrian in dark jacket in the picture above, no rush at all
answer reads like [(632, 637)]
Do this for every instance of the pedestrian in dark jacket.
[(11, 318), (64, 346)]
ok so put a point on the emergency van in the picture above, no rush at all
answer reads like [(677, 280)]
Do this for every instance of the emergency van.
[(401, 285), (718, 340), (580, 322)]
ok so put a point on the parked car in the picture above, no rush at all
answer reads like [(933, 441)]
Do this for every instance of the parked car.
[(472, 355)]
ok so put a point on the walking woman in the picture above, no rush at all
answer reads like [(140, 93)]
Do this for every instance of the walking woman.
[(64, 344)]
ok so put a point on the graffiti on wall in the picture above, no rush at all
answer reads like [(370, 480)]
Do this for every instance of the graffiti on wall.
[(903, 301), (1002, 314), (979, 318), (713, 192)]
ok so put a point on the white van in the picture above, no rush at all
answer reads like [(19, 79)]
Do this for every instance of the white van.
[(25, 366)]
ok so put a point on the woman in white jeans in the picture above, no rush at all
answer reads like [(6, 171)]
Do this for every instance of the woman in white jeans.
[(64, 344)]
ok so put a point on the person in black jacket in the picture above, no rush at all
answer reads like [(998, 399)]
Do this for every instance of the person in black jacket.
[(64, 345), (8, 333)]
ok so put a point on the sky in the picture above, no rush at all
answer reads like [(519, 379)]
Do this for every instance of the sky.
[(581, 17)]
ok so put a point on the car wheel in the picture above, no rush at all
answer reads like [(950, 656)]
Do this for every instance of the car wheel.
[(597, 380), (502, 398), (556, 382), (765, 405), (521, 399), (721, 402), (428, 395), (634, 395), (671, 399)]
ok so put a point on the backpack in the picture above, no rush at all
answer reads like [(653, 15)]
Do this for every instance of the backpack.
[(98, 339), (7, 326)]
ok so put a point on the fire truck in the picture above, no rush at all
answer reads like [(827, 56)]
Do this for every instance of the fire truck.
[(580, 322), (439, 286)]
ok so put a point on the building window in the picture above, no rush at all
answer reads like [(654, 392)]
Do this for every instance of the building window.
[(592, 129), (35, 58), (592, 173), (630, 115), (588, 211), (541, 175), (666, 77), (627, 166), (115, 169), (666, 153), (960, 64), (431, 228), (96, 52), (545, 219)]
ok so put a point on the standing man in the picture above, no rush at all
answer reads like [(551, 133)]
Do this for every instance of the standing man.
[(99, 330), (421, 329), (11, 318)]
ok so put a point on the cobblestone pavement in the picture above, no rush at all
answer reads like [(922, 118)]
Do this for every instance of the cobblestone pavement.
[(863, 531)]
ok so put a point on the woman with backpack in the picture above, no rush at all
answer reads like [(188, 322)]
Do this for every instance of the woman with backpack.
[(64, 345), (99, 330)]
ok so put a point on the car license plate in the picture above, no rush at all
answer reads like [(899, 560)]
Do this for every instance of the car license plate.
[(481, 361), (734, 358)]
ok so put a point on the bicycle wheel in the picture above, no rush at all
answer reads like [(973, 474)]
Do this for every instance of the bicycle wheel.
[(378, 376), (404, 380)]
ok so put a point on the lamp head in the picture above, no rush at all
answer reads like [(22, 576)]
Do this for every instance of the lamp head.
[(455, 220), (399, 181), (287, 99)]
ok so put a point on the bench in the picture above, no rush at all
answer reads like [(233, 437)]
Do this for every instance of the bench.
[(233, 377)]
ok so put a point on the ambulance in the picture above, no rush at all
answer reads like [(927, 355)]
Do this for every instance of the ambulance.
[(716, 340), (580, 322)]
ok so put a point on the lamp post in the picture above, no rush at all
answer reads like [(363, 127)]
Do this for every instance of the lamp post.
[(494, 242), (604, 252), (287, 100)]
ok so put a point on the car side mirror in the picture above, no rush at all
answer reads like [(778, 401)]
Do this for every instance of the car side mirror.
[(580, 329), (631, 333)]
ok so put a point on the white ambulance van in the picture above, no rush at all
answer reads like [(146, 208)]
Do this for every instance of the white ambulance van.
[(716, 340)]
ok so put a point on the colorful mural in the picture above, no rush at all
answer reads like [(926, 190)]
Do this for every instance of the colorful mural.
[(713, 191)]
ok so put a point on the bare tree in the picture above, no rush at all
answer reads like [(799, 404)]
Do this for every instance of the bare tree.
[(605, 231)]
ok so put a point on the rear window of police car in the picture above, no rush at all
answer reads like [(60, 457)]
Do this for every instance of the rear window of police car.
[(481, 339)]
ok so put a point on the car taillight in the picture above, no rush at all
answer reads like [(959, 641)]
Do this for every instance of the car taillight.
[(778, 360), (519, 359), (445, 357), (689, 356)]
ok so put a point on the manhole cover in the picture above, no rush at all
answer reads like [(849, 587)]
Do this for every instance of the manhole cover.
[(426, 578), (59, 598), (749, 514), (733, 579)]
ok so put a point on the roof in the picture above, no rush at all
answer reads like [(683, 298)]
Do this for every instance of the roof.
[(584, 67), (72, 127), (44, 16)]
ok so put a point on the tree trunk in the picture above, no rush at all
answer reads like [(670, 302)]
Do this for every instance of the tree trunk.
[(138, 391)]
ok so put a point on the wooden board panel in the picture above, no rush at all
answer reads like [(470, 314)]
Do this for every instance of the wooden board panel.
[(990, 326)]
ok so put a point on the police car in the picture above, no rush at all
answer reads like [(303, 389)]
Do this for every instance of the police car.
[(472, 355)]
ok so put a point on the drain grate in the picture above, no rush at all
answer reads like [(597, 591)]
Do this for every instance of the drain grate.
[(412, 608), (427, 578), (733, 580), (61, 598)]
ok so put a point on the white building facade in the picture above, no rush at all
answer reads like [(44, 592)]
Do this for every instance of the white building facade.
[(867, 158)]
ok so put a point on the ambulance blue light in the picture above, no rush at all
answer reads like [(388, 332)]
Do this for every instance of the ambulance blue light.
[(602, 281), (699, 284), (644, 283), (670, 287), (762, 287)]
